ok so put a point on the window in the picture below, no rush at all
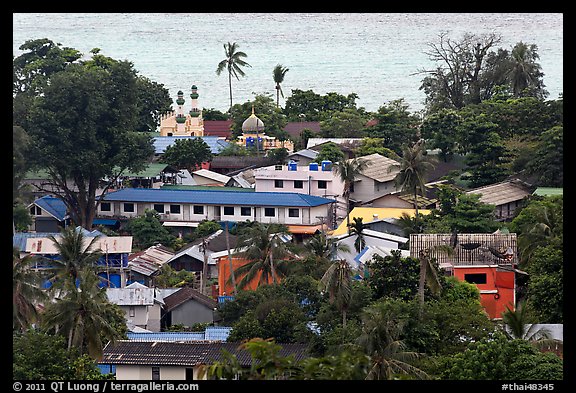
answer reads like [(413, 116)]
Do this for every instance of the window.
[(269, 212), (475, 278), (228, 210), (155, 373), (278, 183), (105, 207), (159, 208), (35, 211), (175, 209), (198, 209), (298, 184), (322, 184), (293, 213), (129, 208), (245, 211), (131, 311), (189, 374)]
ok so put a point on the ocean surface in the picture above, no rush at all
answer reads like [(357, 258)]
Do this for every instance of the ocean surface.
[(377, 56)]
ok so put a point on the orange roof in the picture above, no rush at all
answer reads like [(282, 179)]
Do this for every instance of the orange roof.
[(307, 229)]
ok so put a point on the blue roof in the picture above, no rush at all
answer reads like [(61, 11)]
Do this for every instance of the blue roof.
[(212, 333), (53, 206), (214, 143), (207, 197)]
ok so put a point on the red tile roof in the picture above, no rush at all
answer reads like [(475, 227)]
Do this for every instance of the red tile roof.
[(294, 128), (217, 128)]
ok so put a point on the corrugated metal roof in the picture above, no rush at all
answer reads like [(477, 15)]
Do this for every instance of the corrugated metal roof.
[(369, 214), (148, 262), (152, 169), (191, 353), (52, 205), (106, 244), (131, 295), (212, 175), (549, 191), (211, 333), (380, 168), (214, 143), (501, 193), (287, 199)]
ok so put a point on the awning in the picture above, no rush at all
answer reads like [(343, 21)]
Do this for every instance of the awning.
[(180, 224), (104, 221), (307, 229)]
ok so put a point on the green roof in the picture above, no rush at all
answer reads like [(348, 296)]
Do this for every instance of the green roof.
[(152, 170), (204, 188), (548, 191)]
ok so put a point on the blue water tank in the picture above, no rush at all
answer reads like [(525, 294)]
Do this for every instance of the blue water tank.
[(313, 166), (292, 166), (327, 165)]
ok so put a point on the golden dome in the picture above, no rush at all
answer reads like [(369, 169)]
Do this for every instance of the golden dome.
[(252, 123)]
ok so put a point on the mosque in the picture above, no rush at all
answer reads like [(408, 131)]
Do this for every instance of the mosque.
[(177, 123)]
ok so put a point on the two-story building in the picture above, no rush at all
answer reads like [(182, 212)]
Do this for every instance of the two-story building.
[(194, 206)]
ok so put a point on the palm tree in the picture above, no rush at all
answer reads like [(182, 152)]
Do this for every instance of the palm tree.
[(348, 171), (516, 327), (524, 72), (428, 273), (279, 73), (26, 291), (84, 314), (74, 255), (266, 252), (380, 340), (337, 281), (357, 228), (232, 63), (323, 247), (413, 168)]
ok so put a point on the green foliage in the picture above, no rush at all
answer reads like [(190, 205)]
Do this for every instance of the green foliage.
[(375, 145), (265, 108), (331, 152), (545, 294), (442, 128), (187, 154), (21, 217), (170, 278), (393, 276), (498, 358), (347, 123), (396, 126), (315, 106), (549, 158), (147, 230), (213, 114)]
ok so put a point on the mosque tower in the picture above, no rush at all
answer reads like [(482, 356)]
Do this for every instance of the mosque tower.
[(178, 123), (180, 117)]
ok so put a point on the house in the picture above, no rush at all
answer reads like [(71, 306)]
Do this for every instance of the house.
[(194, 206), (376, 180), (375, 215), (112, 264), (49, 214), (349, 143), (253, 136), (219, 128), (401, 200), (168, 360), (229, 165), (210, 333), (154, 175), (303, 157), (205, 177), (487, 260), (506, 196), (141, 304), (187, 306), (375, 240), (192, 258), (145, 264)]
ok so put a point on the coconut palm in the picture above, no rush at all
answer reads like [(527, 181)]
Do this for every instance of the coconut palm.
[(279, 73), (337, 282), (357, 228), (428, 273), (348, 171), (323, 247), (380, 340), (413, 168), (524, 72), (26, 291), (232, 64), (516, 327), (266, 252), (74, 255), (83, 314)]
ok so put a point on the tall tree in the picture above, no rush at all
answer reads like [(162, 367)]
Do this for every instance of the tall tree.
[(233, 64), (413, 169), (357, 229), (348, 171), (525, 75), (26, 291), (81, 130), (279, 73), (266, 252), (85, 315), (337, 282)]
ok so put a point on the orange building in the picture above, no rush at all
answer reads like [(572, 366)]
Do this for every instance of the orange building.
[(225, 286), (496, 286)]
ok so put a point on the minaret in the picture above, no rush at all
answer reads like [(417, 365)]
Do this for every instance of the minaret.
[(180, 117), (195, 119)]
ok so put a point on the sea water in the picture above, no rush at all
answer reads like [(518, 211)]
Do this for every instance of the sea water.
[(378, 56)]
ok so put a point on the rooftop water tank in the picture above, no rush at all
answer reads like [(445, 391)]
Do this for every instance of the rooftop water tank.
[(313, 166), (292, 166), (327, 165)]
